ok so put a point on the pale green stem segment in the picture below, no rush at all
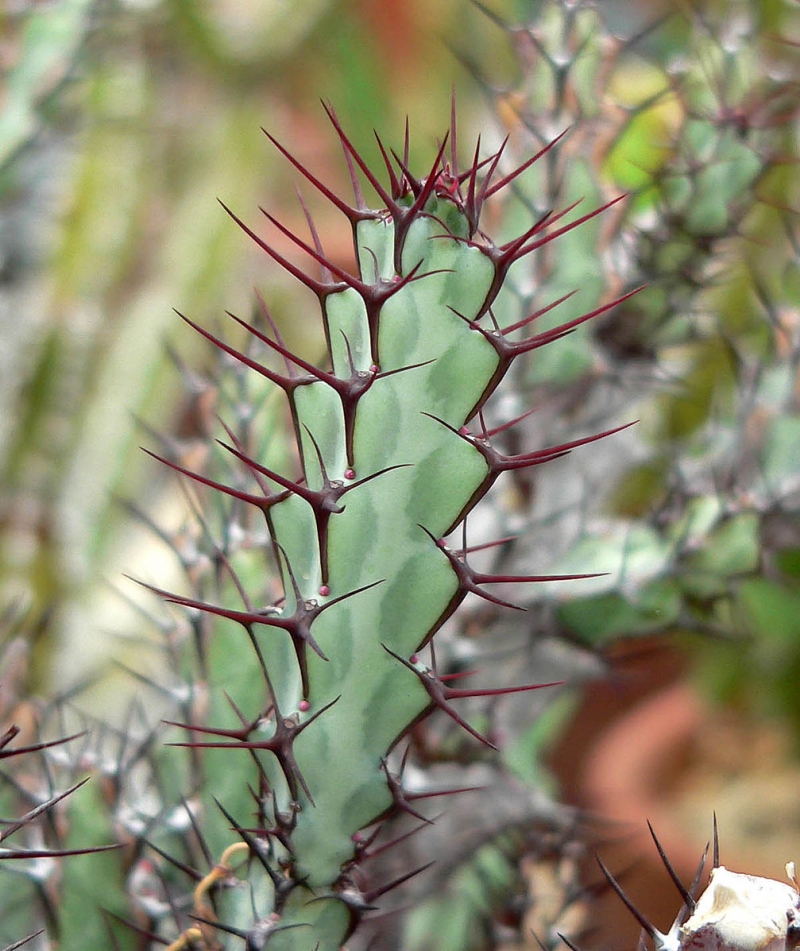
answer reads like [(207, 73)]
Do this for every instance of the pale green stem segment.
[(405, 473)]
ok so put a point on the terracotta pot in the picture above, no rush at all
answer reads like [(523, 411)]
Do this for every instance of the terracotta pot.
[(631, 773)]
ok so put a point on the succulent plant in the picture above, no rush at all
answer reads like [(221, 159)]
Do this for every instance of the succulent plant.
[(325, 554), (295, 717), (696, 115), (389, 470)]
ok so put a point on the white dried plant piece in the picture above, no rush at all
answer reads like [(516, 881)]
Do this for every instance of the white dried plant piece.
[(736, 912), (740, 912)]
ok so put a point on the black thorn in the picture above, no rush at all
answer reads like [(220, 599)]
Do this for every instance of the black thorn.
[(688, 899)]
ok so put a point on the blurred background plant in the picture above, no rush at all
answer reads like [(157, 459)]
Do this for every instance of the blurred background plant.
[(120, 125), (695, 512)]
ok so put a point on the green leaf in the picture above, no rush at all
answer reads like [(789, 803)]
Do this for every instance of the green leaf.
[(612, 615), (774, 614), (626, 554)]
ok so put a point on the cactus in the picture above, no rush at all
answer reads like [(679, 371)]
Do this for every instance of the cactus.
[(313, 637), (735, 910), (703, 134), (297, 764), (389, 470)]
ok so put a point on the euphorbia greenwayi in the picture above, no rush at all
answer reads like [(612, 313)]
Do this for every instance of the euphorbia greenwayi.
[(394, 455), (297, 718)]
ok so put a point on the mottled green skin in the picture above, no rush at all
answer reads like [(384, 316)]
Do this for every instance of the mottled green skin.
[(291, 726), (431, 477)]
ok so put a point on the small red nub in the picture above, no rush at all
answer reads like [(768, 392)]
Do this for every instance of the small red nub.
[(304, 706), (349, 474), (413, 659), (324, 591), (357, 837)]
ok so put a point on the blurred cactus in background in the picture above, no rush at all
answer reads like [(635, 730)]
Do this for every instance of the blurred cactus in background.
[(695, 510), (695, 115), (297, 673)]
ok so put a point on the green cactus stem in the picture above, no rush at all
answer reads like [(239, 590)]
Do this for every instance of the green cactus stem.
[(295, 721), (391, 466)]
